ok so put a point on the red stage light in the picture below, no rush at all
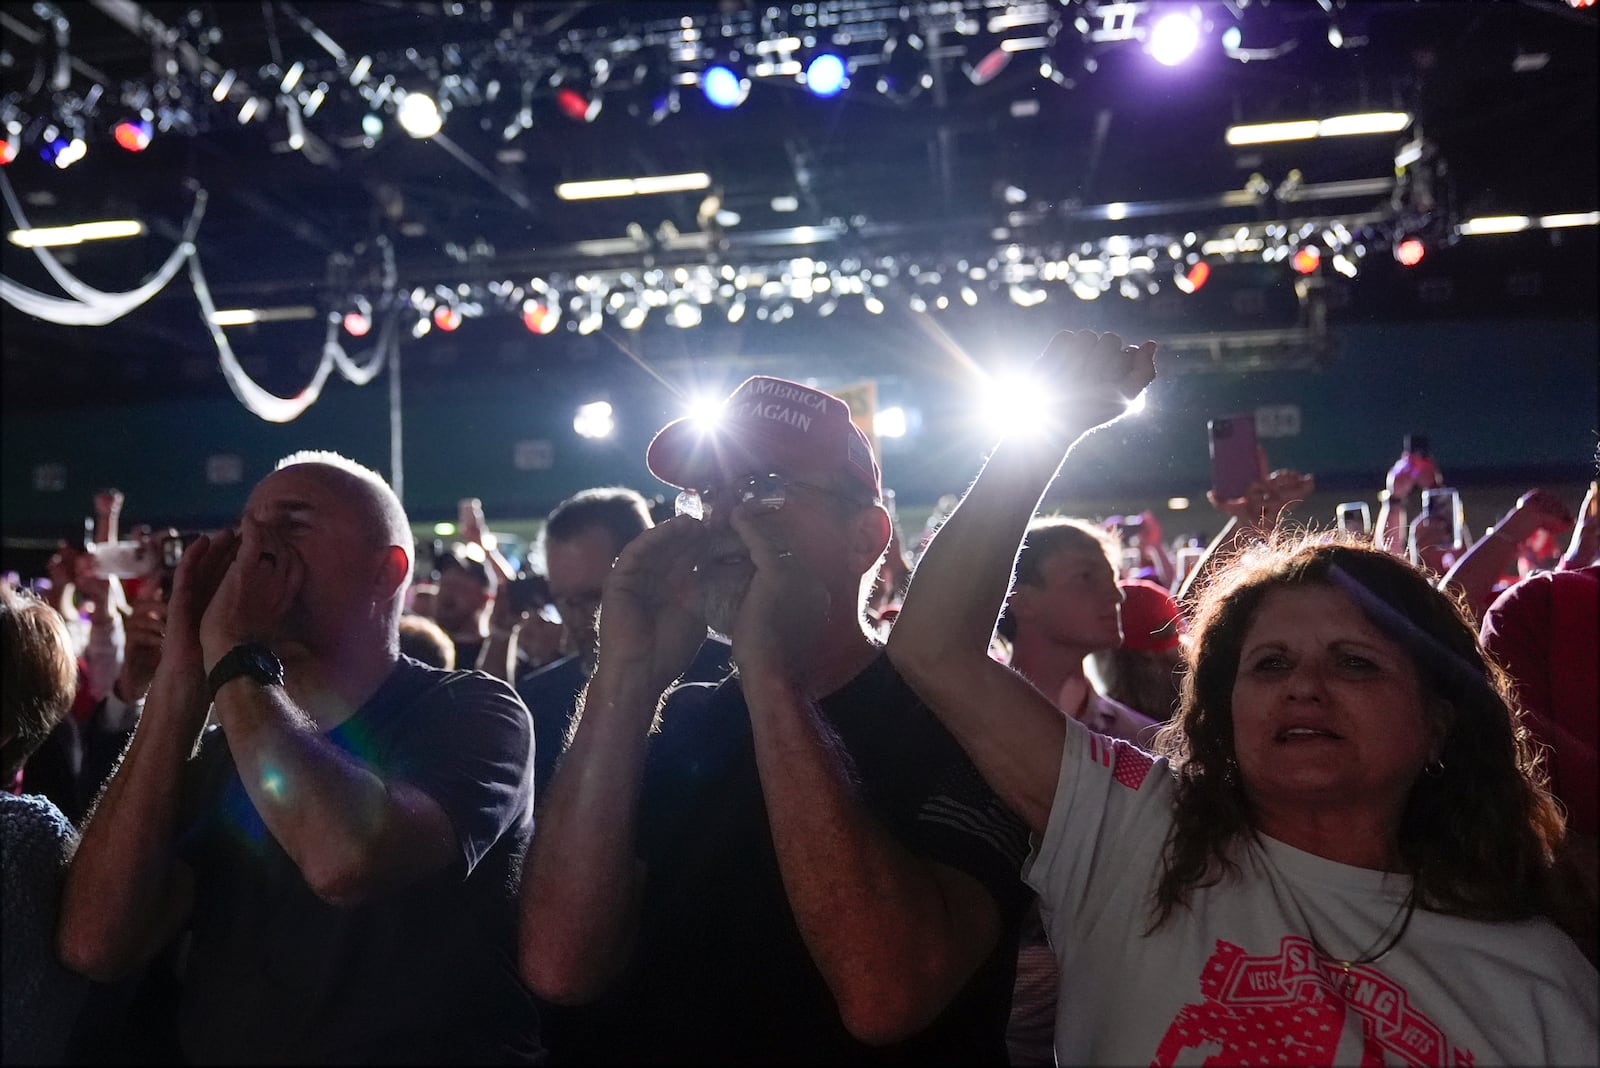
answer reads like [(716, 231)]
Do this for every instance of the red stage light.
[(1410, 252), (1198, 275), (577, 107), (539, 318), (446, 318), (1306, 260), (356, 324), (133, 136), (8, 150)]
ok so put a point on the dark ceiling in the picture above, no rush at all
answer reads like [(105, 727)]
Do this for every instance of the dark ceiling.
[(1504, 92)]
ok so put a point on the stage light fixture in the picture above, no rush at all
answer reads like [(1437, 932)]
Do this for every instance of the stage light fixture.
[(1173, 38), (826, 75), (371, 125), (446, 317), (649, 94), (577, 107), (63, 151), (356, 324), (1306, 260), (903, 66), (539, 317), (8, 148), (889, 422), (419, 115), (1410, 251), (1193, 279), (594, 420), (132, 135), (723, 87)]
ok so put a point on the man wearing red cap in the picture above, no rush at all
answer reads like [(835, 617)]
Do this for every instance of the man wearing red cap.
[(1145, 671), (799, 864)]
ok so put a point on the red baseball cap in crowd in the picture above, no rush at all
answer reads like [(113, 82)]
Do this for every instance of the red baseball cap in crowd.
[(765, 422), (1151, 619)]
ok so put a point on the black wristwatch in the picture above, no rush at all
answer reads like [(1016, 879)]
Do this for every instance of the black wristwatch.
[(249, 659)]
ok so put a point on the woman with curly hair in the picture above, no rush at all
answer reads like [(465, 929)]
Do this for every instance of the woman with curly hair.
[(1343, 851)]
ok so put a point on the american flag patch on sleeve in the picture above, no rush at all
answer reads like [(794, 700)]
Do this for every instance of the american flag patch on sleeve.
[(1128, 763)]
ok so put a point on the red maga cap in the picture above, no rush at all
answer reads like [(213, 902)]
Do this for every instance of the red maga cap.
[(765, 422), (1151, 619)]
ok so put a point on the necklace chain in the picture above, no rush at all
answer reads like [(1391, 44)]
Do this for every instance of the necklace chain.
[(1403, 914)]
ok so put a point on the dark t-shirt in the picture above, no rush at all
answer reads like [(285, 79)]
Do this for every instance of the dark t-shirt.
[(720, 973), (551, 694), (423, 974)]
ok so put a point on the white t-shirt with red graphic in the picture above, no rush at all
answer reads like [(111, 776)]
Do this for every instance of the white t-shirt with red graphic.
[(1235, 979)]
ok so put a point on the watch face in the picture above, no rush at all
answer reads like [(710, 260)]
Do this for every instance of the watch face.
[(262, 662), (249, 660)]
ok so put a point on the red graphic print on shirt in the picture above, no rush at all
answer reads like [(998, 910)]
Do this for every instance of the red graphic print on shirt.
[(1288, 1010), (1128, 763)]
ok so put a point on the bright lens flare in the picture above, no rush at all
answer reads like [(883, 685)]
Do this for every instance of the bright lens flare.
[(419, 115), (1013, 403), (594, 420), (890, 423), (1173, 39), (706, 413)]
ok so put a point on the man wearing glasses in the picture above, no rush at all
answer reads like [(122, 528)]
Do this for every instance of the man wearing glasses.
[(798, 864)]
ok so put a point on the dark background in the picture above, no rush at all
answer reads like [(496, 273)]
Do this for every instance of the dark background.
[(1489, 345)]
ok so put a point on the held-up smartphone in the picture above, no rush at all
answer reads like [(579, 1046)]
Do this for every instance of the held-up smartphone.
[(1234, 458), (1444, 501), (1354, 516), (173, 546), (124, 559)]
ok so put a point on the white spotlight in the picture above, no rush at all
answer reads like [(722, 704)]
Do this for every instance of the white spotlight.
[(1173, 38), (1012, 403), (419, 115), (594, 420), (890, 423)]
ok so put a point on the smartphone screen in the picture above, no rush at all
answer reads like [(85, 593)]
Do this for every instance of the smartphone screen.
[(1354, 516), (1234, 459), (1444, 501)]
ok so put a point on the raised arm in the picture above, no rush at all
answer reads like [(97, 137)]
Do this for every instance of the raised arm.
[(126, 892), (580, 886), (1480, 566), (1251, 518), (940, 640), (895, 933)]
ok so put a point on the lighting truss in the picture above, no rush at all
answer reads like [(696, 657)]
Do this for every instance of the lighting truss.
[(820, 270), (468, 69)]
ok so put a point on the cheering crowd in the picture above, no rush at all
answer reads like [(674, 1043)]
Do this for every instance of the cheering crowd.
[(749, 783)]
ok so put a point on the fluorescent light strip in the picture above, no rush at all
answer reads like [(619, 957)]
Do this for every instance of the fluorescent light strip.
[(632, 187), (1494, 224), (1580, 218), (1263, 133), (56, 236), (1371, 122), (246, 316)]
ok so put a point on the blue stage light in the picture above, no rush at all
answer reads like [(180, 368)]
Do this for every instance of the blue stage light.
[(723, 87), (825, 75)]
